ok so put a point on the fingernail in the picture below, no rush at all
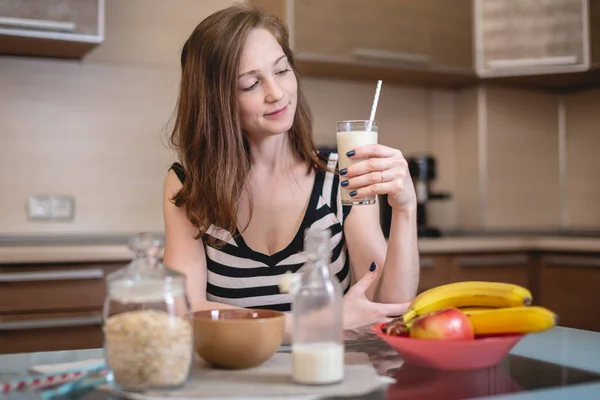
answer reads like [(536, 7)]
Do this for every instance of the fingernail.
[(343, 171), (350, 153), (345, 183), (353, 193), (373, 266)]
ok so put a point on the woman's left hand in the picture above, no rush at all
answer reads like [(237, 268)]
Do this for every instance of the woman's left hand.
[(381, 170)]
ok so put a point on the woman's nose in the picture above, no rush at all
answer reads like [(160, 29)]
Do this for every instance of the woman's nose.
[(274, 92)]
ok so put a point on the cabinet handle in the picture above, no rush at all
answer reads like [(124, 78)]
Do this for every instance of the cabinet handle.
[(385, 55), (572, 261), (426, 263), (532, 62), (51, 323), (38, 24), (486, 261), (79, 274)]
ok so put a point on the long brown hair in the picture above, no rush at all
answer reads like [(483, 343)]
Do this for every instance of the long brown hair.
[(207, 133)]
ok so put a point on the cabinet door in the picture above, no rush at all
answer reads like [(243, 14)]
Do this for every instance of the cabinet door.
[(51, 28), (569, 286), (416, 42), (376, 29), (66, 16), (451, 34), (530, 37), (53, 287), (510, 268), (50, 332), (435, 271)]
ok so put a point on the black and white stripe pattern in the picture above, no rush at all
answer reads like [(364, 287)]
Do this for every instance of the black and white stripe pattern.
[(242, 277)]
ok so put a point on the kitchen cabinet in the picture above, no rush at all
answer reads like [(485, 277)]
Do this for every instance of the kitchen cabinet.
[(434, 271), (553, 43), (58, 306), (517, 268), (47, 307), (26, 333), (569, 285), (51, 28), (497, 267), (35, 288), (410, 41)]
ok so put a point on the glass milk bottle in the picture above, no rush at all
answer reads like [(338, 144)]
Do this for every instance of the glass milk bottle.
[(317, 336)]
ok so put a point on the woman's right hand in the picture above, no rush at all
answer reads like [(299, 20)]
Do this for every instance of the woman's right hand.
[(359, 311)]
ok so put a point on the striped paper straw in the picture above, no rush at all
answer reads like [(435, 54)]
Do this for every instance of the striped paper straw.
[(374, 107), (37, 382)]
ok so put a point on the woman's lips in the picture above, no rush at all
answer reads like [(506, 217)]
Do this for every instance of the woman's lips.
[(277, 113)]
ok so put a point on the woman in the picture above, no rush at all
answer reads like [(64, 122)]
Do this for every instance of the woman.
[(250, 181)]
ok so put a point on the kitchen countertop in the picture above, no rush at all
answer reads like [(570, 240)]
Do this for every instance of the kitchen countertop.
[(62, 253), (451, 244), (562, 363), (17, 250)]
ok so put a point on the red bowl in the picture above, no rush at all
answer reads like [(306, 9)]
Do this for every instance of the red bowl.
[(481, 352)]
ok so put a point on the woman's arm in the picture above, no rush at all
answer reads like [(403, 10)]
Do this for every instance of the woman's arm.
[(397, 260), (383, 171), (182, 252), (400, 276)]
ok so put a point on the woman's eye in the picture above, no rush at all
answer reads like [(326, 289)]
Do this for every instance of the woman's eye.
[(249, 88), (283, 72)]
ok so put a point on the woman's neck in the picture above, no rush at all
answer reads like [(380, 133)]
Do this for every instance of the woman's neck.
[(272, 154)]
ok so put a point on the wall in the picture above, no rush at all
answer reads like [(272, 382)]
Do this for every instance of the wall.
[(96, 129), (582, 164), (526, 159)]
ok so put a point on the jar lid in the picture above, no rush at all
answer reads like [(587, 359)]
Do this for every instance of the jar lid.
[(145, 278)]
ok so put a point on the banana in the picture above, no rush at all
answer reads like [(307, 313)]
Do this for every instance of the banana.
[(512, 320), (469, 310), (468, 294)]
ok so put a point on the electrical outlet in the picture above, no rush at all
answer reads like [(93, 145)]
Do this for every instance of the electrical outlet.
[(62, 207), (50, 208), (38, 207)]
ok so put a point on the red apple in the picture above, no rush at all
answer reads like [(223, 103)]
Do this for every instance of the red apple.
[(444, 324)]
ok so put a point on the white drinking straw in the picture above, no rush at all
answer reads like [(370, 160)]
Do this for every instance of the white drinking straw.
[(374, 108)]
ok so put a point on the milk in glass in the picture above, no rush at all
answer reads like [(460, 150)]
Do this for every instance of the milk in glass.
[(350, 135)]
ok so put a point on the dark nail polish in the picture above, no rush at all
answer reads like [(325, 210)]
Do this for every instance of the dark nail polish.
[(345, 183), (353, 193), (372, 267), (350, 153), (343, 171)]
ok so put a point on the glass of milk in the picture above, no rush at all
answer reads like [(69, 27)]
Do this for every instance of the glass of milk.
[(350, 135)]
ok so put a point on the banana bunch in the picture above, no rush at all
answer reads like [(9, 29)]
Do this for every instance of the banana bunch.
[(468, 294), (492, 308)]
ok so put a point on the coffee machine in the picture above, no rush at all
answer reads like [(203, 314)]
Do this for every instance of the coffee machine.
[(422, 168)]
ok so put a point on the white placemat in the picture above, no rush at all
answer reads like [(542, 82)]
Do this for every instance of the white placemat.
[(270, 380)]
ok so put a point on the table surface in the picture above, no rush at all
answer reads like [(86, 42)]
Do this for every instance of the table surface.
[(562, 363)]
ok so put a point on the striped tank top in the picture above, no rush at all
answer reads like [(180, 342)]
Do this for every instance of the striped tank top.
[(242, 277)]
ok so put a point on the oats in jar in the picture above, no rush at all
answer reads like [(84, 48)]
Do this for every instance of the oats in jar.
[(148, 349)]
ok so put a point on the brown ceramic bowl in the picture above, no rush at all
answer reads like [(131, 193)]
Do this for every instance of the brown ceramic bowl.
[(237, 338)]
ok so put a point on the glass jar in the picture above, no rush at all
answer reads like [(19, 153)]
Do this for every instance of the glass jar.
[(317, 333), (148, 334)]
